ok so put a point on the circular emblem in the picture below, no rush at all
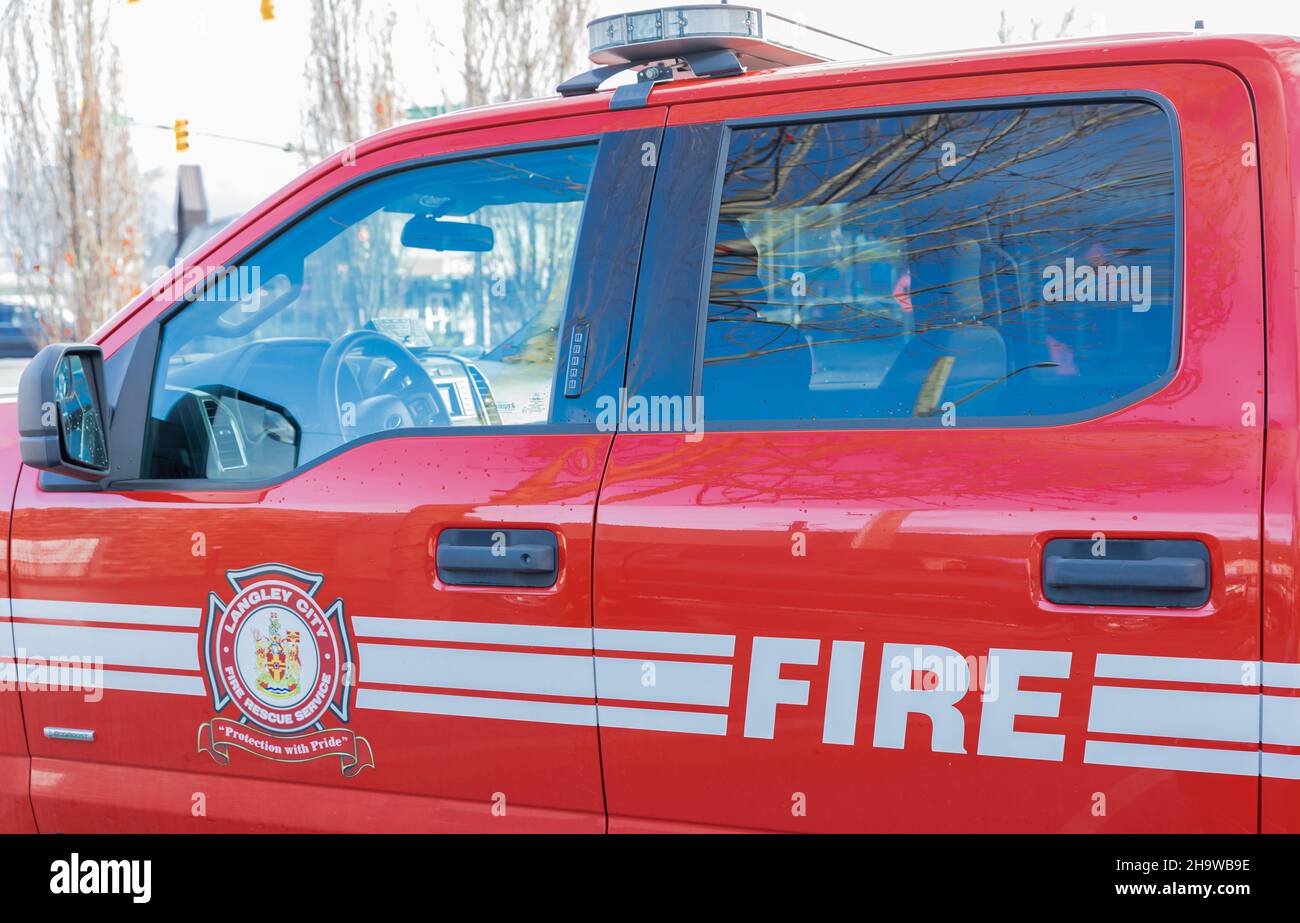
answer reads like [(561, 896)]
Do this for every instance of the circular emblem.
[(278, 656)]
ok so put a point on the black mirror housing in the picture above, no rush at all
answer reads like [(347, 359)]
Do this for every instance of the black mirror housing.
[(62, 417)]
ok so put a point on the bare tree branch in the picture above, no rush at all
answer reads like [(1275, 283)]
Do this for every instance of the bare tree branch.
[(72, 193)]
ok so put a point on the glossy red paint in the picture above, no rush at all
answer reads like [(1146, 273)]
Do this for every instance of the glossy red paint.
[(934, 538), (922, 537), (15, 806), (367, 519)]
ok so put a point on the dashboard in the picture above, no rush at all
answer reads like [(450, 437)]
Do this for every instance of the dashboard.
[(255, 411)]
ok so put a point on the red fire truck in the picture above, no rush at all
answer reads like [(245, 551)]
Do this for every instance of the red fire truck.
[(742, 439)]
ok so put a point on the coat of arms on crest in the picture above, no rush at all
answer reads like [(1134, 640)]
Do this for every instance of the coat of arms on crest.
[(279, 666), (284, 663)]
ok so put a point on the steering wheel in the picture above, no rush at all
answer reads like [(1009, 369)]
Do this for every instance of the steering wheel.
[(403, 397)]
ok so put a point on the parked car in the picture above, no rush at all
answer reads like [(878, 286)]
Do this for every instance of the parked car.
[(900, 445), (20, 331)]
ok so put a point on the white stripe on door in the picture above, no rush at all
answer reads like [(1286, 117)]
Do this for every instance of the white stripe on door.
[(482, 671), (1189, 759), (1175, 713), (1178, 669), (666, 681), (127, 647), (365, 626), (182, 617)]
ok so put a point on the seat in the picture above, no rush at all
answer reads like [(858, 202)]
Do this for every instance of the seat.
[(947, 309), (754, 368)]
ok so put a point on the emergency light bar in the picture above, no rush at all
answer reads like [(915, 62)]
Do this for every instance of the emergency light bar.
[(758, 39), (709, 40)]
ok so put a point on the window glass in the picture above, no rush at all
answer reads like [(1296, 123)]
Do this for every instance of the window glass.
[(433, 297), (83, 431), (1002, 264)]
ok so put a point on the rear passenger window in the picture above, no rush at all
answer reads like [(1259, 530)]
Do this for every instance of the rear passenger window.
[(1012, 265)]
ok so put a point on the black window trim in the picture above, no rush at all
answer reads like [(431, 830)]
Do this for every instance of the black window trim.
[(1040, 100), (133, 402)]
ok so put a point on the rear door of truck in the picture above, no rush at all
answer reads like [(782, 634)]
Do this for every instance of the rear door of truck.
[(970, 539)]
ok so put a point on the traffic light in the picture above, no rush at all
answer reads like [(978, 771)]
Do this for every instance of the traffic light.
[(268, 9), (182, 130)]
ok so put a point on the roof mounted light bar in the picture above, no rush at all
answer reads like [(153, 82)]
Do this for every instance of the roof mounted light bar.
[(709, 40)]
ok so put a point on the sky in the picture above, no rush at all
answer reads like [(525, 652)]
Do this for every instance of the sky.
[(219, 65)]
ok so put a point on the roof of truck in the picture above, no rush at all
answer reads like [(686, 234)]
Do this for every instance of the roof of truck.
[(1086, 51)]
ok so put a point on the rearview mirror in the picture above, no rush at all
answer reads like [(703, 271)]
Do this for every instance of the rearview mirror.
[(425, 233), (61, 414)]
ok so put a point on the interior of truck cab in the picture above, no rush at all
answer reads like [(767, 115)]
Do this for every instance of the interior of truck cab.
[(872, 270), (427, 298)]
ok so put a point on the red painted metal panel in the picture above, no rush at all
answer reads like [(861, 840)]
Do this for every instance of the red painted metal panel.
[(912, 538), (934, 538), (90, 567), (15, 807)]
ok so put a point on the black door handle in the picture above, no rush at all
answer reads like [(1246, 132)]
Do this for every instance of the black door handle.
[(1163, 573), (498, 557)]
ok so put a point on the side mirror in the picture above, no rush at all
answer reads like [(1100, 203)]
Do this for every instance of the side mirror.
[(62, 420)]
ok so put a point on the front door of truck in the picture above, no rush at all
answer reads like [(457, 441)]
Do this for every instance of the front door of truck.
[(340, 578), (970, 537)]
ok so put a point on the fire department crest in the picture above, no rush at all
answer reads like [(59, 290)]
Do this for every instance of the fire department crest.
[(285, 664)]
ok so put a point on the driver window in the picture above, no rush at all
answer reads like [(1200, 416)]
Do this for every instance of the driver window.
[(432, 297)]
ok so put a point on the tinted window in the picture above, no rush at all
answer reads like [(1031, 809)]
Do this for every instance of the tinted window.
[(433, 297), (83, 431), (1007, 263)]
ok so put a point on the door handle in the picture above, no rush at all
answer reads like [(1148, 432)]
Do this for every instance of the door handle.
[(1161, 573), (498, 557)]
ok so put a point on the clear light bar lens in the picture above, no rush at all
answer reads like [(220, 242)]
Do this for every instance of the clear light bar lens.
[(713, 21), (672, 22), (645, 27), (758, 38), (607, 32)]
